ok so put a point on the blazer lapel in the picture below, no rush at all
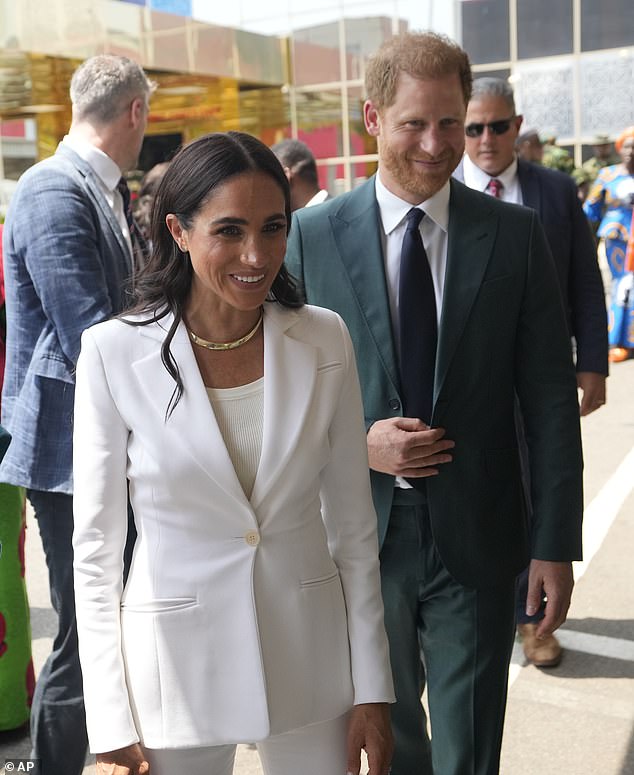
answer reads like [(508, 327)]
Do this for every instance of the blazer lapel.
[(472, 230), (529, 186), (109, 216), (89, 180), (290, 371), (192, 426), (356, 229)]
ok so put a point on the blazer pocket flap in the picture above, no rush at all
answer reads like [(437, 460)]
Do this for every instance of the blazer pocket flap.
[(161, 605), (329, 366), (320, 580), (494, 284), (53, 368)]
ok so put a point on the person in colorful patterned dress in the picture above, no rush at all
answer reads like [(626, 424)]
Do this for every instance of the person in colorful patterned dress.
[(610, 209)]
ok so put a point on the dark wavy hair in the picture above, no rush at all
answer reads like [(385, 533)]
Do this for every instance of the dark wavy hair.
[(163, 285)]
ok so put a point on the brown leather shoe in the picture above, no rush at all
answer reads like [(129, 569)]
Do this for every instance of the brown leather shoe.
[(541, 653)]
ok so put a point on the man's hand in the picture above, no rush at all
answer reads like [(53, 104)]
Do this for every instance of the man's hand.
[(125, 761), (369, 728), (405, 446), (557, 581), (592, 387)]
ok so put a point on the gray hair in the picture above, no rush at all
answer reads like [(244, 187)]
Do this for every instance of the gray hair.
[(103, 86), (494, 87)]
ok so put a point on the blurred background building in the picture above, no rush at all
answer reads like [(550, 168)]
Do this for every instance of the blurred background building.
[(295, 68)]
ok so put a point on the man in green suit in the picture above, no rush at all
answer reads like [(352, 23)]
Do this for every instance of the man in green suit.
[(447, 486)]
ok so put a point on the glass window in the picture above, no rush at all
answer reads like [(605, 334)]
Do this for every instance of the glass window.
[(544, 27), (607, 92), (264, 112), (319, 122), (544, 95), (362, 171), (503, 73), (485, 30), (361, 143), (315, 55), (606, 24), (331, 177)]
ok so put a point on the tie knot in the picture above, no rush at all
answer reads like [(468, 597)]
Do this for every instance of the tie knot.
[(414, 217), (495, 187)]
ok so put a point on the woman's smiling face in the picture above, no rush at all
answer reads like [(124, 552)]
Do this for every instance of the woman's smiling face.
[(236, 242)]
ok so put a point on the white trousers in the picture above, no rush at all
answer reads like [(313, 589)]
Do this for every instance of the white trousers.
[(317, 749)]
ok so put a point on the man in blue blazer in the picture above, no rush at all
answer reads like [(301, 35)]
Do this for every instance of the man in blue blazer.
[(68, 252), (447, 486), (491, 163)]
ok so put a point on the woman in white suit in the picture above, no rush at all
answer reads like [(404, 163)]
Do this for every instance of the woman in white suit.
[(232, 414)]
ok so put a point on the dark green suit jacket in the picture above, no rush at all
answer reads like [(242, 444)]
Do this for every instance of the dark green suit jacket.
[(502, 333)]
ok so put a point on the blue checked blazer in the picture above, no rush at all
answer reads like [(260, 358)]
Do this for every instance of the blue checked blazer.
[(65, 262)]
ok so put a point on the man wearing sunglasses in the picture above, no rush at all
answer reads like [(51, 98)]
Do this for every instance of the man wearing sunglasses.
[(491, 165)]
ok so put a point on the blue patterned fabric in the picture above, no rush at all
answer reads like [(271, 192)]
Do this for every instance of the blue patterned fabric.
[(65, 263)]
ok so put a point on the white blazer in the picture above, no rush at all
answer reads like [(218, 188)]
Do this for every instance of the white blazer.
[(240, 619)]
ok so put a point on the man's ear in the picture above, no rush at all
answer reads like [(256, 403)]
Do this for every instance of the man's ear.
[(137, 111), (372, 119)]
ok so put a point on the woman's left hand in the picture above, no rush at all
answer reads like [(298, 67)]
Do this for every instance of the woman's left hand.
[(369, 728)]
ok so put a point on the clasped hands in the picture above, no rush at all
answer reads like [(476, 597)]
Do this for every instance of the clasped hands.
[(407, 447)]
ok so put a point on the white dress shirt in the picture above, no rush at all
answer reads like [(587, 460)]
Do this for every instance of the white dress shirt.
[(108, 175), (433, 229), (476, 178), (319, 197)]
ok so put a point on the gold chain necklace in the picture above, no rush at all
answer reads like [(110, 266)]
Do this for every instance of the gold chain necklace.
[(226, 345)]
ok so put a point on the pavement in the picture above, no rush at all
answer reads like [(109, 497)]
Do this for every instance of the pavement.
[(575, 719)]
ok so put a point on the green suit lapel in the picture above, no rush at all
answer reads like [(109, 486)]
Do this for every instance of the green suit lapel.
[(356, 229), (472, 231)]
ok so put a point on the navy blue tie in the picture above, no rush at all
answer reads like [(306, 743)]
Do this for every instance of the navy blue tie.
[(140, 250), (417, 322)]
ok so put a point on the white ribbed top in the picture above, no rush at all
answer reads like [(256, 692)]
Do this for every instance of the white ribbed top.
[(240, 415)]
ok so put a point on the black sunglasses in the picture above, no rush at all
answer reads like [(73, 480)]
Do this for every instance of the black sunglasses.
[(497, 127)]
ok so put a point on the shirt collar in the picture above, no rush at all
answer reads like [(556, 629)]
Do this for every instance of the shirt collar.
[(319, 197), (393, 209), (479, 179), (102, 165)]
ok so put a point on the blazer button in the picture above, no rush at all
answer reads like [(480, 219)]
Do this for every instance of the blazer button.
[(252, 537), (394, 404)]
